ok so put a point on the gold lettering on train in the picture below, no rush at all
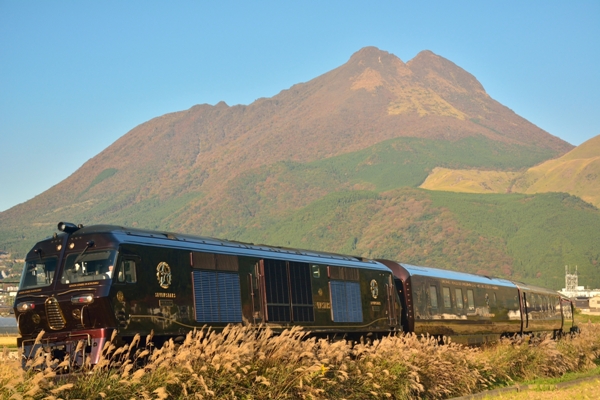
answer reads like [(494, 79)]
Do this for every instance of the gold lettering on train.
[(165, 295), (29, 291), (94, 283)]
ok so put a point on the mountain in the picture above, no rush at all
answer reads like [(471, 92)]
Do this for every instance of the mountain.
[(577, 173), (331, 164)]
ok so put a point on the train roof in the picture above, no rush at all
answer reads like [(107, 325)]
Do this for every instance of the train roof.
[(223, 246), (414, 270), (537, 289)]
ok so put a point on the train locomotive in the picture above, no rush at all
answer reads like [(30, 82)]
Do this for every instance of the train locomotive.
[(85, 284)]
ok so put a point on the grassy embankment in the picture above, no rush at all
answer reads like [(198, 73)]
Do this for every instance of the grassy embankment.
[(244, 363)]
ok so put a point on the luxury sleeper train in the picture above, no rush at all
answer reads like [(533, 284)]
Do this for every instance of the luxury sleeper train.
[(85, 283)]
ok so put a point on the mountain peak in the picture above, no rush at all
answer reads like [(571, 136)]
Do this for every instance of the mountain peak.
[(369, 52), (373, 57), (588, 149), (443, 75)]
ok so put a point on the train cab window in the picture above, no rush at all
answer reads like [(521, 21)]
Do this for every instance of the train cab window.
[(459, 298), (433, 298), (38, 272), (447, 300), (127, 272), (470, 299), (88, 266)]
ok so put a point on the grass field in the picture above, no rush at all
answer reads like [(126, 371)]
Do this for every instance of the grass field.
[(8, 341), (584, 390), (582, 319)]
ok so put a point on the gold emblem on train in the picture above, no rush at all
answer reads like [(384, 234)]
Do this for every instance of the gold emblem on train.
[(36, 318), (374, 289), (163, 274)]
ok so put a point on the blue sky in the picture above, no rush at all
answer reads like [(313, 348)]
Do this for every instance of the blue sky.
[(77, 75)]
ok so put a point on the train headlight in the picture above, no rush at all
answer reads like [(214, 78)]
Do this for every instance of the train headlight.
[(25, 306), (82, 299)]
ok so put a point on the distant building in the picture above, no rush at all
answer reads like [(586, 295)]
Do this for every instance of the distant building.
[(572, 288), (595, 303)]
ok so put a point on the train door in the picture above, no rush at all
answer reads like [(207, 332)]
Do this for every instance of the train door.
[(566, 313), (391, 302), (406, 312), (124, 283), (254, 288), (286, 291)]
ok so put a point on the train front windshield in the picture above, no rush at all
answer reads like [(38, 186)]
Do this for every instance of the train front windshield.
[(89, 266), (38, 273)]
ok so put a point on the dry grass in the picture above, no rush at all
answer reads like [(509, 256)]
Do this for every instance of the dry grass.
[(246, 363)]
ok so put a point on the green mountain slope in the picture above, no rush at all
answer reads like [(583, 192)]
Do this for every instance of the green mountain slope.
[(272, 192)]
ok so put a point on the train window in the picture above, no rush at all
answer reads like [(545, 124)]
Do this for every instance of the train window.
[(433, 298), (316, 271), (88, 266), (447, 300), (38, 272), (127, 272), (494, 299), (459, 298), (470, 299)]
